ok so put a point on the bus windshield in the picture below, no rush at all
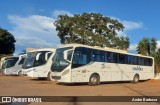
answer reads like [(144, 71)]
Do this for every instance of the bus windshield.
[(36, 59), (10, 62), (59, 63)]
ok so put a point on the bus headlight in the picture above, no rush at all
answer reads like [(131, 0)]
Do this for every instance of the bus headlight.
[(65, 72)]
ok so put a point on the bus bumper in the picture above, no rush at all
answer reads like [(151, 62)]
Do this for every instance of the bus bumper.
[(63, 79), (30, 74)]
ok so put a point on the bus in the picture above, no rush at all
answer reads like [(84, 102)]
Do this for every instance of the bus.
[(76, 63), (38, 63), (2, 58), (12, 65)]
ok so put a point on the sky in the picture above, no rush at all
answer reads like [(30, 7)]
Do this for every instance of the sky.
[(31, 21)]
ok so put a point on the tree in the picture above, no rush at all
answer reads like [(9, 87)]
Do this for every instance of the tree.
[(90, 29), (7, 41), (144, 47), (148, 47), (122, 42), (153, 45)]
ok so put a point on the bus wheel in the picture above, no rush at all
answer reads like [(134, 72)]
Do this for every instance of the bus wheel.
[(136, 78), (94, 80), (20, 73), (49, 78)]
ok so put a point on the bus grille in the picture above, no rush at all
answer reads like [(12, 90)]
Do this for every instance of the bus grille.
[(56, 77)]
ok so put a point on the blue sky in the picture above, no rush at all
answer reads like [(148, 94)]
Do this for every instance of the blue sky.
[(31, 21)]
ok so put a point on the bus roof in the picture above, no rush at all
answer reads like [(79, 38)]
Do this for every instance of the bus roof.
[(22, 55), (43, 49), (103, 48)]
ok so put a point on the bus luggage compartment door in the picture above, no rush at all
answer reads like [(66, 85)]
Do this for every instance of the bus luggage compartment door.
[(79, 78)]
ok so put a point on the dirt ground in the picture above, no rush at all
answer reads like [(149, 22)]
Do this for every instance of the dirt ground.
[(24, 86)]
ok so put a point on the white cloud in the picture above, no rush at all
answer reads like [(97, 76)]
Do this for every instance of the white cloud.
[(158, 44), (35, 23), (121, 33), (33, 31), (56, 13), (37, 42), (132, 48), (129, 25)]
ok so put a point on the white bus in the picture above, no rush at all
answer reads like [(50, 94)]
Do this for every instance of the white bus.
[(38, 63), (12, 65), (76, 63)]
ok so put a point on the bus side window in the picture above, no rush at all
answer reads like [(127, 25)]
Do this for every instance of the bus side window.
[(134, 60), (21, 61), (145, 61), (100, 56), (150, 61), (93, 55), (129, 59), (81, 57), (115, 57), (121, 58), (108, 56), (141, 61)]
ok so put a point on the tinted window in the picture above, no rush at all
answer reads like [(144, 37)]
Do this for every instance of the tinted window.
[(41, 59), (69, 55), (128, 59), (21, 61), (108, 56), (59, 63), (141, 61), (134, 60), (145, 61), (114, 57), (11, 62), (150, 61), (122, 58), (49, 54), (82, 56), (99, 55)]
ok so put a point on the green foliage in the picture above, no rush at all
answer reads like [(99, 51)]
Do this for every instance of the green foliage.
[(144, 47), (122, 42), (148, 47), (156, 56), (90, 29), (153, 45), (7, 41)]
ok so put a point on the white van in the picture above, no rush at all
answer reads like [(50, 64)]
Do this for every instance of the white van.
[(38, 63), (12, 65)]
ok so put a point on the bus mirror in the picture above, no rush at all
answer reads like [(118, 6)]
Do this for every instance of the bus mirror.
[(37, 57), (67, 55)]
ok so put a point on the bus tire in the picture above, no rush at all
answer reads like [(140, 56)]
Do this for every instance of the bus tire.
[(3, 72), (94, 80), (136, 78), (20, 73), (49, 78)]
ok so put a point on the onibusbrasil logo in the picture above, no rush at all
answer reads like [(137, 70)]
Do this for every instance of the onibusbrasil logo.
[(20, 99)]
